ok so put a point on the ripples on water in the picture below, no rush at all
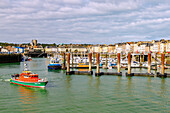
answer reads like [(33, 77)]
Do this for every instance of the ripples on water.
[(82, 93)]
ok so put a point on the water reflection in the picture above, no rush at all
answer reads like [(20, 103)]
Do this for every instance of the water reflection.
[(34, 63), (149, 82), (129, 86), (83, 70), (9, 64), (47, 61), (90, 81), (163, 88), (97, 82), (129, 82), (106, 70), (64, 71), (56, 71), (68, 81), (29, 97)]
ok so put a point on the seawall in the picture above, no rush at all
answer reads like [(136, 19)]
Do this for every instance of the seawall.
[(10, 58)]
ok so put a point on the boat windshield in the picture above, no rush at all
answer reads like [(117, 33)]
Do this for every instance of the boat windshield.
[(54, 61), (27, 72)]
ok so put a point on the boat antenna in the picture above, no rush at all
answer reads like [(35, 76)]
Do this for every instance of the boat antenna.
[(25, 65)]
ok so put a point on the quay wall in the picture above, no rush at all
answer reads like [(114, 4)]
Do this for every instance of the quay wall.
[(36, 55), (10, 58)]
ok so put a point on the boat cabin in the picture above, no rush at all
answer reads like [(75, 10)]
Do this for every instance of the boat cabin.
[(28, 76)]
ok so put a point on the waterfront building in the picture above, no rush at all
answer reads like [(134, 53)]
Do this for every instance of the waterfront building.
[(19, 49), (104, 49), (148, 48), (72, 49), (163, 47), (136, 47), (96, 48), (155, 47), (39, 48), (111, 48), (34, 43), (119, 47), (51, 49), (168, 46), (4, 50), (142, 48), (128, 47)]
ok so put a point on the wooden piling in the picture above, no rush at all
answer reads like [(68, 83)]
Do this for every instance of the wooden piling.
[(72, 59), (118, 62), (90, 61), (106, 60), (149, 62), (63, 66), (140, 63), (98, 61), (162, 64), (68, 64), (129, 66), (155, 61), (98, 56), (162, 74), (129, 63), (94, 56)]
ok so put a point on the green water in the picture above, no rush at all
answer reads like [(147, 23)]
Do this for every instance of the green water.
[(83, 93)]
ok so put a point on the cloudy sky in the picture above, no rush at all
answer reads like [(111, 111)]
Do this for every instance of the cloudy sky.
[(84, 21)]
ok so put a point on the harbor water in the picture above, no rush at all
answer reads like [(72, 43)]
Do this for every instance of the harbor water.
[(83, 93)]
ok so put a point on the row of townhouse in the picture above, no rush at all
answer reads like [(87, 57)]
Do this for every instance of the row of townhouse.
[(72, 49), (136, 47), (144, 47), (90, 48), (11, 49)]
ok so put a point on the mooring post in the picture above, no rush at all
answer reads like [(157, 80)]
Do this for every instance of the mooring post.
[(98, 56), (162, 74), (162, 64), (106, 60), (155, 61), (129, 63), (90, 64), (129, 66), (63, 66), (98, 61), (72, 59), (68, 64), (149, 63), (94, 56), (140, 63), (118, 62)]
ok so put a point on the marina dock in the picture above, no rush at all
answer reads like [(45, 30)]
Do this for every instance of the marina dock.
[(91, 65)]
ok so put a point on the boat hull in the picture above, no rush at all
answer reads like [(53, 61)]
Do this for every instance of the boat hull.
[(29, 84), (54, 67)]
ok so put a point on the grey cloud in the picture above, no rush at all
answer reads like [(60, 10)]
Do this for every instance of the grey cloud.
[(83, 21), (4, 3)]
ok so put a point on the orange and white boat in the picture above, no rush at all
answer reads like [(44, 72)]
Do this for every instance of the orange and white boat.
[(27, 78)]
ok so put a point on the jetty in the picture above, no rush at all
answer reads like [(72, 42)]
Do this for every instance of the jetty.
[(67, 65)]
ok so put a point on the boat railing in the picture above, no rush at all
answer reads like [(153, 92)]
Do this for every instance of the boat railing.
[(42, 80)]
